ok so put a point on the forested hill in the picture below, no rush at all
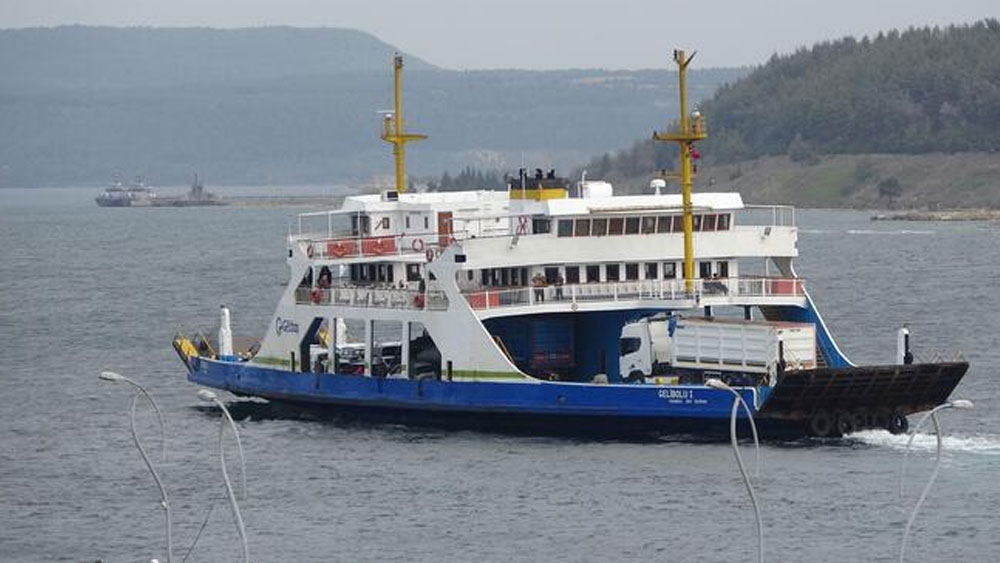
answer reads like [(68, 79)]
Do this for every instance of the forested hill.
[(918, 91), (904, 94), (293, 106), (115, 57)]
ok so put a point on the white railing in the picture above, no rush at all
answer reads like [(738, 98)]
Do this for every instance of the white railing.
[(361, 296), (638, 290)]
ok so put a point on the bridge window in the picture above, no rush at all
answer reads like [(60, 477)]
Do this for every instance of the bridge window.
[(631, 225), (708, 223), (722, 268), (616, 225), (593, 273), (652, 270), (669, 270), (648, 225), (611, 272), (599, 228), (541, 226), (631, 272), (705, 270), (696, 220), (572, 274), (565, 228), (678, 224), (582, 228), (663, 224), (723, 222)]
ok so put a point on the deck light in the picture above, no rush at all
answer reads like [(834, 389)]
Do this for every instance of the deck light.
[(113, 377), (963, 404), (210, 397), (719, 385)]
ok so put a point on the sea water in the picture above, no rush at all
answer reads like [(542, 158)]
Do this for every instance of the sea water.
[(85, 289)]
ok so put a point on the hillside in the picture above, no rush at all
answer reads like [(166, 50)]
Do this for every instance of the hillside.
[(286, 106), (918, 92)]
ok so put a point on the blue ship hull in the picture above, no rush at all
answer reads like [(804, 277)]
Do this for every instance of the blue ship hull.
[(542, 407)]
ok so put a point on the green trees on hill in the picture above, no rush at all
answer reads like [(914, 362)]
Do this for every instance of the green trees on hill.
[(918, 91)]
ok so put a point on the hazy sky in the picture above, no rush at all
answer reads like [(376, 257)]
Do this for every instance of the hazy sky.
[(537, 34)]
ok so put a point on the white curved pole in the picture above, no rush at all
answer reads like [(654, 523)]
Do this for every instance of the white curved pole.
[(746, 479), (933, 415), (718, 384), (207, 395), (113, 377), (737, 402)]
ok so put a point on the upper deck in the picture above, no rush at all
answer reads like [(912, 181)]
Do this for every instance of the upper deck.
[(502, 229)]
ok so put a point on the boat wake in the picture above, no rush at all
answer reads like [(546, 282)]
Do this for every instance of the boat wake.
[(899, 232), (983, 444)]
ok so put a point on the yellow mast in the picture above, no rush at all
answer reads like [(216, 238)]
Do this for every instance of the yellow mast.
[(392, 127), (688, 134)]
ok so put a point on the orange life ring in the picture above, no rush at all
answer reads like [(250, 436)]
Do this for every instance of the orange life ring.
[(338, 249), (418, 245)]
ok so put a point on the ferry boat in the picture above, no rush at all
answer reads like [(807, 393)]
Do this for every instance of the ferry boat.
[(118, 194), (559, 306)]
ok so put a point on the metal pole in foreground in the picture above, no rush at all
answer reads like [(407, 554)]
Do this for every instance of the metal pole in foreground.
[(933, 415), (164, 500), (208, 396), (718, 384)]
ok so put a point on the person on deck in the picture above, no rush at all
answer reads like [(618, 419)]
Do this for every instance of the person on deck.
[(538, 282)]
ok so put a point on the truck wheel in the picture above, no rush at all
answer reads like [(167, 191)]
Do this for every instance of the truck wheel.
[(635, 377)]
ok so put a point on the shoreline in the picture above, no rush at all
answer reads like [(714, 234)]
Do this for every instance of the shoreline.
[(950, 215)]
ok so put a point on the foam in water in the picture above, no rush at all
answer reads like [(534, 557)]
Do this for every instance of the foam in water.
[(900, 232), (982, 444)]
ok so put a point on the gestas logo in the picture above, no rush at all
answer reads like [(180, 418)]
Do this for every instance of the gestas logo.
[(282, 326)]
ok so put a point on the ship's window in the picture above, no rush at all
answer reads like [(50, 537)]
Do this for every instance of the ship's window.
[(550, 275), (541, 226), (363, 221), (611, 272), (648, 225), (652, 270), (704, 270), (696, 220), (631, 271), (722, 268), (678, 224), (599, 228), (708, 223), (583, 227), (615, 226), (572, 274), (505, 277), (469, 275), (484, 278), (723, 222), (407, 221), (669, 270), (565, 228), (631, 225), (426, 223), (593, 273), (663, 224)]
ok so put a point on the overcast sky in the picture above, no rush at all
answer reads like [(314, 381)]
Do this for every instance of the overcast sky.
[(535, 34)]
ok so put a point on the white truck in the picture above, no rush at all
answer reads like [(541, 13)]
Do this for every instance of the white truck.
[(673, 349)]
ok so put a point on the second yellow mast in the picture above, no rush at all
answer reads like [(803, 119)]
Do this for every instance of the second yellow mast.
[(688, 134), (392, 131)]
